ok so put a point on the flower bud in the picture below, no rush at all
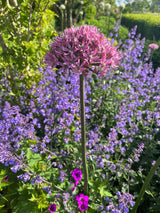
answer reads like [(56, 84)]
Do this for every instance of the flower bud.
[(108, 6), (62, 7)]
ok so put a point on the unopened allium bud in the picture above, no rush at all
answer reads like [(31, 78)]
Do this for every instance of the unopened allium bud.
[(108, 6), (63, 7), (81, 2), (122, 6), (81, 12), (102, 5)]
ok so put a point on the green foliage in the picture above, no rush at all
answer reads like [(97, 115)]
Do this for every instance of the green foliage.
[(90, 11), (25, 32), (106, 24), (148, 25), (139, 6), (17, 195)]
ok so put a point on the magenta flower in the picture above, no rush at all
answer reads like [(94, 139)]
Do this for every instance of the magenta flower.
[(83, 206), (82, 198), (5, 179), (75, 184), (82, 49), (82, 202), (77, 175), (153, 46), (52, 208)]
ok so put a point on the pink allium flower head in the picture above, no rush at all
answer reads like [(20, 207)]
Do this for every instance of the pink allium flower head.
[(153, 46), (77, 175), (52, 208), (82, 49)]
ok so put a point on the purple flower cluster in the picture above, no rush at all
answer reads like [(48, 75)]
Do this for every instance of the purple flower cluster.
[(15, 128), (124, 201)]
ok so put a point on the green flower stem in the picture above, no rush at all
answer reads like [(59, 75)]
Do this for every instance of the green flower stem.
[(145, 185), (83, 133), (62, 21)]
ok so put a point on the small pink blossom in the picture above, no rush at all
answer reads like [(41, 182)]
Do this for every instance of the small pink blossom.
[(82, 49), (153, 46)]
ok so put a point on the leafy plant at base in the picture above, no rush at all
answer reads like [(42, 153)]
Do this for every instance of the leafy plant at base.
[(122, 124)]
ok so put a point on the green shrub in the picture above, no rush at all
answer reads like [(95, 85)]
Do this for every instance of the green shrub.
[(147, 24)]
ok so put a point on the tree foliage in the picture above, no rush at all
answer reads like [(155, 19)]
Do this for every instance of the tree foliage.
[(26, 28)]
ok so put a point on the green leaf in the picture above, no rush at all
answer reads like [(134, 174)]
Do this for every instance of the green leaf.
[(104, 192), (149, 193), (76, 191)]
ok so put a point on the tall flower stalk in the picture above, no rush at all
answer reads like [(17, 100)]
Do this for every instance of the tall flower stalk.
[(83, 49), (83, 133)]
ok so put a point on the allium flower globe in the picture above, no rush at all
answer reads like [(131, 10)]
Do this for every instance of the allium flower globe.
[(82, 49)]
